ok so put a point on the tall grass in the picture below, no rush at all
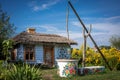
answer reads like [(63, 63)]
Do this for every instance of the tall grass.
[(108, 75)]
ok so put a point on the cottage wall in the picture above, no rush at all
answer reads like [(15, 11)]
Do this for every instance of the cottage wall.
[(39, 53), (60, 52), (20, 52)]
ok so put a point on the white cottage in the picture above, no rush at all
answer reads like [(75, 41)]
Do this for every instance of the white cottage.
[(37, 48)]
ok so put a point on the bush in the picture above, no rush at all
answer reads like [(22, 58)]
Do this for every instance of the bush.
[(24, 72), (76, 53), (118, 66), (1, 70), (93, 58)]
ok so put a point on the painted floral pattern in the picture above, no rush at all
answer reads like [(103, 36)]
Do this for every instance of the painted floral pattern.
[(91, 71), (69, 69), (62, 53)]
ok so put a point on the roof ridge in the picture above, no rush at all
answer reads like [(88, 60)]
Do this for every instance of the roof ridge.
[(26, 37), (45, 34)]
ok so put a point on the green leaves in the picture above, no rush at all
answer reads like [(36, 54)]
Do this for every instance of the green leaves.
[(115, 41), (6, 28), (7, 44), (25, 72)]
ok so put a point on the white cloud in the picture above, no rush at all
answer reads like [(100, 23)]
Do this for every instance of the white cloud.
[(101, 32), (36, 6), (113, 18), (76, 23), (52, 29), (110, 28), (106, 26), (48, 28), (102, 29)]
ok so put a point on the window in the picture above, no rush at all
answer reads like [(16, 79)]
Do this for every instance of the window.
[(29, 52)]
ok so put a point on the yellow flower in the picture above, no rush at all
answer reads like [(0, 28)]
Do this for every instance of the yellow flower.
[(96, 61)]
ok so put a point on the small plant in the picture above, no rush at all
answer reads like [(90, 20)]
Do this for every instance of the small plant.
[(118, 66), (1, 69), (25, 72), (7, 45)]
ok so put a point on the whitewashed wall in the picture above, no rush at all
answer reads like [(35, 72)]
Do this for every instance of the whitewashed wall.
[(39, 53), (20, 52), (60, 52)]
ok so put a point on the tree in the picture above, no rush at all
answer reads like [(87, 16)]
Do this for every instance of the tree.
[(6, 28), (104, 46), (115, 41)]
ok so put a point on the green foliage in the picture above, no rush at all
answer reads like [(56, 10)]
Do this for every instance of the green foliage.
[(118, 66), (7, 45), (104, 46), (3, 70), (1, 62), (115, 41), (108, 75), (93, 58), (113, 57), (6, 29), (18, 72), (77, 53)]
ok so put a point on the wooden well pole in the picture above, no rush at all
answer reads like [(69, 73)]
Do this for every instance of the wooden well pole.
[(89, 35), (84, 48)]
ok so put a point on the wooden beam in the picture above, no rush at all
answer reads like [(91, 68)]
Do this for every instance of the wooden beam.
[(89, 35)]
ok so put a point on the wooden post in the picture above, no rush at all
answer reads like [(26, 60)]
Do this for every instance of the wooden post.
[(84, 45), (67, 18), (84, 48)]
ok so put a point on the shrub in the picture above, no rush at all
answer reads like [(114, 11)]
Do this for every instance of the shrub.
[(93, 58), (24, 72), (118, 66), (76, 53), (1, 70)]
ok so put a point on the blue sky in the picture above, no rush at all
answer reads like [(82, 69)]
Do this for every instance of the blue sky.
[(49, 16)]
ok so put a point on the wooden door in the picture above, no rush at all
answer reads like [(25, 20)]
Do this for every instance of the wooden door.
[(49, 55), (13, 54)]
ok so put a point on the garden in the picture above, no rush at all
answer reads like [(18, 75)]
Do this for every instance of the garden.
[(23, 71)]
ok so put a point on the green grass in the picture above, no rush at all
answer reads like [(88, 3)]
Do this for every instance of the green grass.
[(51, 74)]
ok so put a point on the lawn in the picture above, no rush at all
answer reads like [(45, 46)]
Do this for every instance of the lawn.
[(51, 74)]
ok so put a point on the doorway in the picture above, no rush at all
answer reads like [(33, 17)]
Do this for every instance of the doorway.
[(49, 55)]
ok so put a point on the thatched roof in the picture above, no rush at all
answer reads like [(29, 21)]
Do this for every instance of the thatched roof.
[(25, 38)]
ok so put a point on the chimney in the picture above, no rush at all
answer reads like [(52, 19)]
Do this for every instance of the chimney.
[(31, 30)]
